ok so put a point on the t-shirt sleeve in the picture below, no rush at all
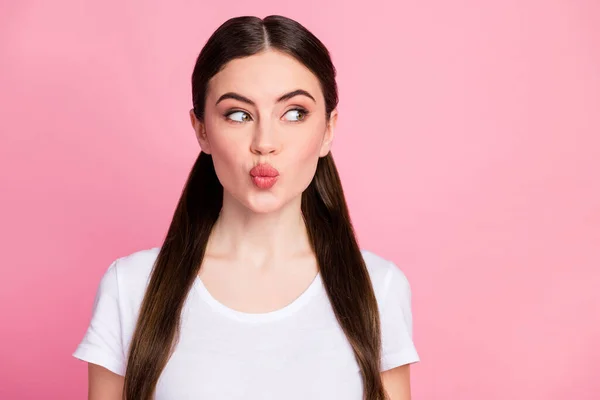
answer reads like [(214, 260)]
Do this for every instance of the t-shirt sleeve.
[(102, 342), (396, 321)]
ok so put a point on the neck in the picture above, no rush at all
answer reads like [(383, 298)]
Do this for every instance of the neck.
[(259, 239)]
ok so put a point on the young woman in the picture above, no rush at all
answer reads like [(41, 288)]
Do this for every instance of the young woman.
[(259, 290)]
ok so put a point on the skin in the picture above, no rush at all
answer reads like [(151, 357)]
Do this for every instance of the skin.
[(258, 257)]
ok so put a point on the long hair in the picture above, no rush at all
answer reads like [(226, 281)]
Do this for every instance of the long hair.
[(324, 210)]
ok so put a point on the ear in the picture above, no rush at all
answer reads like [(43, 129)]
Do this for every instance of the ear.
[(329, 130), (200, 130)]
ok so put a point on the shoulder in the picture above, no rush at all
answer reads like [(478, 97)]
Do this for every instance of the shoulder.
[(386, 276), (394, 298), (114, 314), (136, 264), (132, 272)]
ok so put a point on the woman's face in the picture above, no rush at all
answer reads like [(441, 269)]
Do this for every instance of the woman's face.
[(266, 108)]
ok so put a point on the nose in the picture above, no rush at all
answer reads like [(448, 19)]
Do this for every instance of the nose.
[(265, 140)]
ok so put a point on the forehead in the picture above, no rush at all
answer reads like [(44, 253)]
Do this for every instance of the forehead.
[(263, 77)]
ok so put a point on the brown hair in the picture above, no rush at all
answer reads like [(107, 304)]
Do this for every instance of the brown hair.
[(343, 270)]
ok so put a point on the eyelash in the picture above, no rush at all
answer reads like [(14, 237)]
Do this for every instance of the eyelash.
[(300, 109)]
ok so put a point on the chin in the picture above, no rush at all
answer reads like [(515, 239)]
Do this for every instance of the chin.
[(264, 203)]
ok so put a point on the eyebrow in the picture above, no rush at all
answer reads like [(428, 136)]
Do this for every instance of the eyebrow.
[(287, 96)]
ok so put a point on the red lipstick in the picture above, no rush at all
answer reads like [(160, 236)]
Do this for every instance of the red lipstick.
[(264, 176)]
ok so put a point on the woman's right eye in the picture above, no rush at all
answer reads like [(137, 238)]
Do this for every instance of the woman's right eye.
[(238, 116)]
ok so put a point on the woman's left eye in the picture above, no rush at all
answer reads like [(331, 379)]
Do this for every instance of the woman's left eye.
[(297, 114)]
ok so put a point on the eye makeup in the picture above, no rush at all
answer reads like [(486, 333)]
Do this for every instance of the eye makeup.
[(303, 111)]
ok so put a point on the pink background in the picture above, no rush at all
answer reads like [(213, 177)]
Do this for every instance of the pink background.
[(468, 144)]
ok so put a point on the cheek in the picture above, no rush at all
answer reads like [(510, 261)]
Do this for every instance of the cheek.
[(223, 144), (309, 147), (226, 152), (305, 157), (307, 152)]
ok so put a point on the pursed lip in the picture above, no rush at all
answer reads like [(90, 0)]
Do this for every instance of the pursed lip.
[(264, 170)]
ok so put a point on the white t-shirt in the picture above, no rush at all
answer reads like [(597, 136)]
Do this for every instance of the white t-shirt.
[(296, 352)]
